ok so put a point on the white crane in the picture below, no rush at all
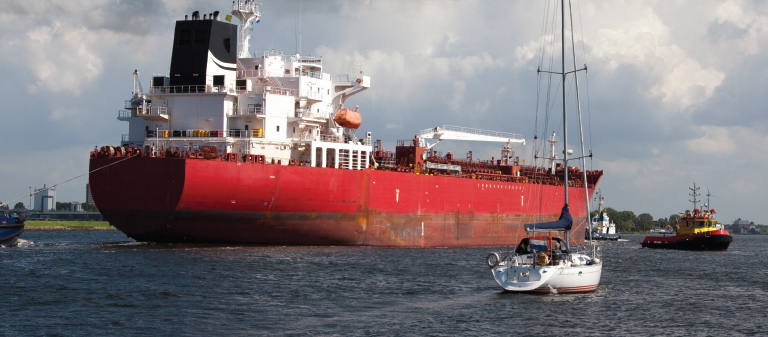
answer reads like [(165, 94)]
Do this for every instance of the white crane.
[(449, 132)]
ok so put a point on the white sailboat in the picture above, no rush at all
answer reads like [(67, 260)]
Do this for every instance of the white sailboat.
[(545, 263)]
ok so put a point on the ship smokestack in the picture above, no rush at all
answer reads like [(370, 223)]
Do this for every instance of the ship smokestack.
[(216, 15), (185, 17), (195, 15), (204, 16)]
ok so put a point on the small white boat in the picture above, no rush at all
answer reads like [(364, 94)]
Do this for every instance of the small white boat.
[(545, 264)]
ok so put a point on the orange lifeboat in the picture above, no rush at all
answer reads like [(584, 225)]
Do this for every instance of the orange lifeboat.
[(348, 118)]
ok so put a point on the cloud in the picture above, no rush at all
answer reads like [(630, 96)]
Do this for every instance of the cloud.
[(688, 84), (61, 58)]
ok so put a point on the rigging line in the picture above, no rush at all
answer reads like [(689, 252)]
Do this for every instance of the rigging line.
[(544, 26), (550, 98), (551, 61), (581, 26), (50, 187), (586, 79)]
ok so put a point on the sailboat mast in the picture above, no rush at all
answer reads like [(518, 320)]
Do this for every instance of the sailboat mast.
[(581, 127), (565, 116)]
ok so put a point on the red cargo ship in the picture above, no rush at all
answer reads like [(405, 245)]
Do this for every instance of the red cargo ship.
[(245, 149)]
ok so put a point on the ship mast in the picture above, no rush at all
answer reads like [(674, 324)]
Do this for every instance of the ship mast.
[(694, 194), (245, 11)]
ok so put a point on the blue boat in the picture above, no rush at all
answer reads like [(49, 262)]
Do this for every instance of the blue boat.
[(11, 226)]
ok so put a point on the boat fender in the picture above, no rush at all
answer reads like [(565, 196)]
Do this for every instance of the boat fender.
[(492, 260), (543, 260)]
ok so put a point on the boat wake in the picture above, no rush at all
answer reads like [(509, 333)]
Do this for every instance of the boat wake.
[(20, 243)]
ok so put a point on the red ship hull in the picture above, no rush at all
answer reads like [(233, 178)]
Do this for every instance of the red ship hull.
[(194, 200)]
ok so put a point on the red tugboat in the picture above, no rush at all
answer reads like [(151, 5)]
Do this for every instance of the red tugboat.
[(697, 230)]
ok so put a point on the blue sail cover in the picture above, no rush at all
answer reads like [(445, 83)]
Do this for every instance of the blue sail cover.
[(564, 223)]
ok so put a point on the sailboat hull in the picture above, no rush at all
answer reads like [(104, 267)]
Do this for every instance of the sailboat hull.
[(549, 279)]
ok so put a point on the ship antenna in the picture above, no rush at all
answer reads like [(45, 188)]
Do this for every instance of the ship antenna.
[(694, 194), (709, 195), (300, 28)]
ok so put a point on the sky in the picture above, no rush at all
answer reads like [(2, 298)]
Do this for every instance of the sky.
[(674, 92)]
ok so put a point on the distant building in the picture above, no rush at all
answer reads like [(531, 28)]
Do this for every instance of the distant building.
[(45, 200), (743, 227), (88, 195)]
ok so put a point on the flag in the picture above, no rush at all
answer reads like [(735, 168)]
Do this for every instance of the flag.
[(228, 18)]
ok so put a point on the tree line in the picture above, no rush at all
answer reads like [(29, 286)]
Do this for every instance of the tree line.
[(60, 206), (627, 221)]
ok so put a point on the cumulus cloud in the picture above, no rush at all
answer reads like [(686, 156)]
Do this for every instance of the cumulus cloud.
[(61, 57)]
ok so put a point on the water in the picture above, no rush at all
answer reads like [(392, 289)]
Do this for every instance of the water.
[(99, 283)]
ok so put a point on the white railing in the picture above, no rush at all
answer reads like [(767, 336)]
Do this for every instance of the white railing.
[(306, 112), (124, 113), (344, 78), (312, 74), (477, 132), (273, 54), (309, 59), (190, 89), (248, 111), (245, 6), (258, 73), (266, 89), (312, 94), (309, 136), (331, 139), (191, 134), (279, 91)]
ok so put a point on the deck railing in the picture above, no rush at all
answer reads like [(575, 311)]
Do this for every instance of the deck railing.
[(188, 134)]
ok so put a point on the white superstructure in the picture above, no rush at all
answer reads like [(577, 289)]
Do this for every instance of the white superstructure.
[(276, 105)]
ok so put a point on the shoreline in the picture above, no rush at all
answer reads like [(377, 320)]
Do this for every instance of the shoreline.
[(52, 228), (35, 225)]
